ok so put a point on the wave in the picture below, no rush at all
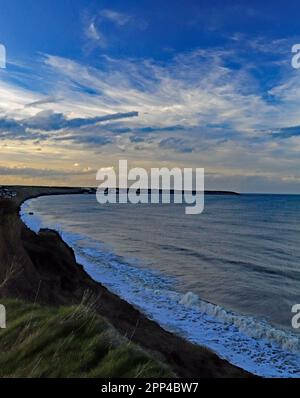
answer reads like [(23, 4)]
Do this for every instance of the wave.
[(250, 343), (252, 327)]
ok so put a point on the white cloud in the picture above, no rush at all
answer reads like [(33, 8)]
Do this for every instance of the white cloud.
[(95, 35), (193, 90), (94, 29), (118, 18)]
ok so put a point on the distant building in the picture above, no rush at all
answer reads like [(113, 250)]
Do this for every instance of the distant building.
[(5, 193)]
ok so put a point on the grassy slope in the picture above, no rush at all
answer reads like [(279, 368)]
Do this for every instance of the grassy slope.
[(68, 342)]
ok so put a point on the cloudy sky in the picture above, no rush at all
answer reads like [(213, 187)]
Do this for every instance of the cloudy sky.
[(160, 83)]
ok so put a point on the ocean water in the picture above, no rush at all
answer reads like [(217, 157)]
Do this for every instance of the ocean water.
[(226, 278)]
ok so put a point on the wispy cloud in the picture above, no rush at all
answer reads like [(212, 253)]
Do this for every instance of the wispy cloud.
[(96, 25), (94, 34), (44, 101), (286, 132), (116, 17), (192, 90), (40, 125)]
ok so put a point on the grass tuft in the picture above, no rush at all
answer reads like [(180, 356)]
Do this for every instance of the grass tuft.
[(68, 342)]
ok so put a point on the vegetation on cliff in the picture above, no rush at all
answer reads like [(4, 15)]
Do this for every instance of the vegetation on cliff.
[(67, 342)]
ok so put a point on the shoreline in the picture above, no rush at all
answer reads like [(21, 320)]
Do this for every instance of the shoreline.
[(184, 358)]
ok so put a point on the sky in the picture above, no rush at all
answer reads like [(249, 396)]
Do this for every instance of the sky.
[(204, 84)]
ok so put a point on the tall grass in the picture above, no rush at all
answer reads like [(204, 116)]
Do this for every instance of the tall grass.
[(68, 342)]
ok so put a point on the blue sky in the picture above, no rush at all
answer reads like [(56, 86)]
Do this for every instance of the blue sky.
[(160, 83)]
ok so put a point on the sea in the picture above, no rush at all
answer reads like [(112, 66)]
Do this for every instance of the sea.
[(226, 279)]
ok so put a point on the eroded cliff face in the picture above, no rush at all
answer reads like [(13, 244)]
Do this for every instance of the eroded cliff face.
[(18, 277), (39, 267)]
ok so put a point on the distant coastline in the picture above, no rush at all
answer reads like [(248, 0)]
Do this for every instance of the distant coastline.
[(161, 191), (19, 193)]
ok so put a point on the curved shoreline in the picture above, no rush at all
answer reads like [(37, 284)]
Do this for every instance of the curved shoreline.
[(185, 358)]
